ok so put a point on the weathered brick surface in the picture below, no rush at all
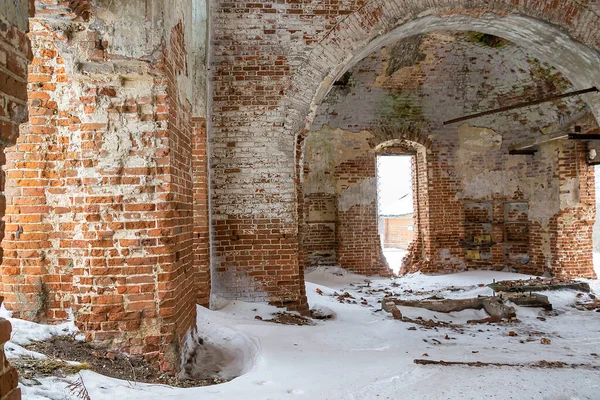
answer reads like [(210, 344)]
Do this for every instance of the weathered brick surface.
[(201, 211), (339, 225), (14, 56), (108, 183), (468, 187), (275, 65), (101, 191), (14, 53)]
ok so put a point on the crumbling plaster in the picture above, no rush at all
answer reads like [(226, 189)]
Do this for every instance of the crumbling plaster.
[(16, 13), (576, 61), (453, 75), (133, 33), (476, 78), (111, 94)]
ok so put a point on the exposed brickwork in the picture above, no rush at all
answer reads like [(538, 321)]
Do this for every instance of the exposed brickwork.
[(101, 195), (465, 180), (108, 184), (574, 245), (14, 54), (81, 8), (339, 224), (359, 242), (177, 289), (274, 67), (253, 177), (201, 211), (398, 232)]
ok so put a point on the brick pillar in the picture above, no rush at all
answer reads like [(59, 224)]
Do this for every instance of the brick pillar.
[(573, 250), (420, 246), (445, 214), (14, 56), (201, 209), (101, 215), (31, 270), (359, 247)]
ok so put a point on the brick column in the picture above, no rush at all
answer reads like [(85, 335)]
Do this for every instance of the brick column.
[(101, 215), (30, 289), (359, 249), (14, 57), (201, 209), (573, 249)]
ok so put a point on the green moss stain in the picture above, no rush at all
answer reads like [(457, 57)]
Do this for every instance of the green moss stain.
[(401, 112), (485, 39), (546, 74)]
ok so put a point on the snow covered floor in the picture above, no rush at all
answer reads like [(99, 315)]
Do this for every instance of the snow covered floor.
[(363, 354)]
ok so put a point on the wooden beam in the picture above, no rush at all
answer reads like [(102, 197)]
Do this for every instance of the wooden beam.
[(521, 105), (584, 136), (526, 152), (529, 144)]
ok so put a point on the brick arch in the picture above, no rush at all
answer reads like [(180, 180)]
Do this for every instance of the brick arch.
[(387, 136), (564, 34)]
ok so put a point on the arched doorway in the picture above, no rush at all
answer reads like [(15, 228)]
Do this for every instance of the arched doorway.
[(486, 206)]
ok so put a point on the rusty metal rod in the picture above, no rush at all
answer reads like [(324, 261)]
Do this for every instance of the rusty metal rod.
[(521, 105)]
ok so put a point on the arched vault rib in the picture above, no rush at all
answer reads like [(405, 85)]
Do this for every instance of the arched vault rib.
[(335, 55)]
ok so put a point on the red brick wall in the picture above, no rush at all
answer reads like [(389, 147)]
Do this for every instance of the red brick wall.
[(101, 196), (271, 70), (359, 243), (36, 279), (201, 211), (255, 210), (398, 232), (177, 287), (14, 55), (573, 255), (455, 169), (109, 229), (339, 203)]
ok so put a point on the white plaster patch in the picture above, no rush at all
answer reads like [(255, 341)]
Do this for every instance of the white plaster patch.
[(569, 193), (478, 139), (446, 257), (361, 194), (543, 204)]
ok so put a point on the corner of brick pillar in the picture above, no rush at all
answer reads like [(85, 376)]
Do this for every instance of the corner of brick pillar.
[(9, 380)]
